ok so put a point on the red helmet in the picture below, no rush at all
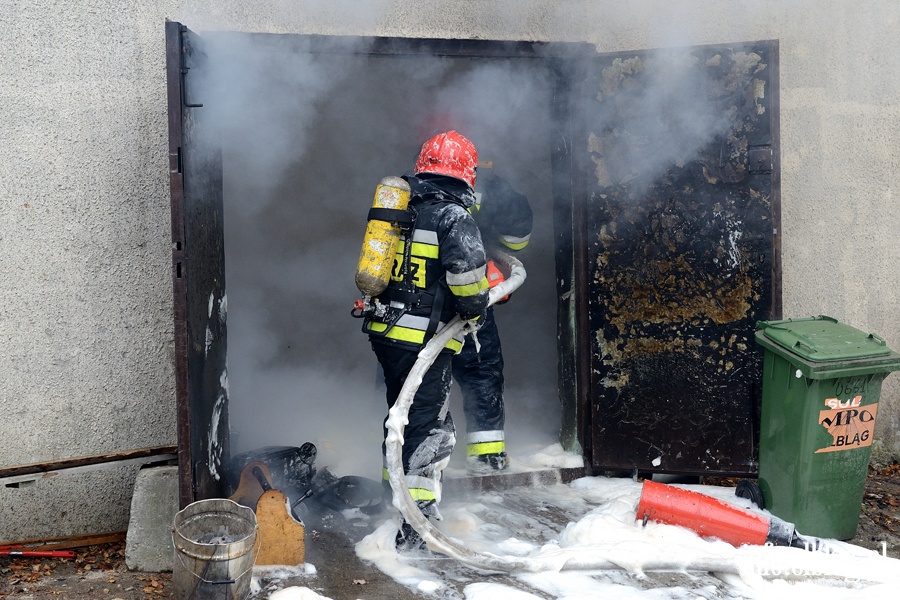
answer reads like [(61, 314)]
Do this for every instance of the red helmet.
[(448, 154)]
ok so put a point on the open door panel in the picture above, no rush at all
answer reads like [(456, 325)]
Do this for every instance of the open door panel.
[(675, 221), (198, 275)]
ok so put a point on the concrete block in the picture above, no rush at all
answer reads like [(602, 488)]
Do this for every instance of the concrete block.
[(148, 545)]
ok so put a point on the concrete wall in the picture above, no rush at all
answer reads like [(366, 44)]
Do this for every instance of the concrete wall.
[(86, 352)]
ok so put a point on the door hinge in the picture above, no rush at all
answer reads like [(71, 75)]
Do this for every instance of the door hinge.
[(175, 161), (184, 70)]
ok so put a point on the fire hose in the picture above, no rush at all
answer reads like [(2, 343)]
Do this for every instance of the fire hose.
[(398, 418), (562, 560)]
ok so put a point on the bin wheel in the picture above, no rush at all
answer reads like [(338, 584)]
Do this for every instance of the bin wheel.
[(749, 490)]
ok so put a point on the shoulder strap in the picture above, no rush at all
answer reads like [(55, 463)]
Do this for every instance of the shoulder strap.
[(437, 307), (403, 218)]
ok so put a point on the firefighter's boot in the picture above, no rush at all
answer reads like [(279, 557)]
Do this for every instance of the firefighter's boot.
[(408, 539), (485, 464)]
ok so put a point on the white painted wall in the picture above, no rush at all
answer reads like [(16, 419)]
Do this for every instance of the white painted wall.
[(86, 352)]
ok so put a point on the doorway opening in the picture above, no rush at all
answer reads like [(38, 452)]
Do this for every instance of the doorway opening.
[(305, 140), (630, 161)]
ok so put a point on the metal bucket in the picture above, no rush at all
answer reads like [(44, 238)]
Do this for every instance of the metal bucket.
[(214, 541)]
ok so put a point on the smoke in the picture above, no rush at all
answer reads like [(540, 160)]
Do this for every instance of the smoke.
[(501, 105), (305, 138), (653, 111), (263, 97)]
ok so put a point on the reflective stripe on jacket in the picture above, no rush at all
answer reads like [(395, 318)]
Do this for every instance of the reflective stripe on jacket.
[(411, 329)]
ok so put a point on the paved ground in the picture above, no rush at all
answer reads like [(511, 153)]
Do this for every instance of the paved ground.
[(99, 572)]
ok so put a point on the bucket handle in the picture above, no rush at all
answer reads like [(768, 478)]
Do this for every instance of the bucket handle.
[(258, 545)]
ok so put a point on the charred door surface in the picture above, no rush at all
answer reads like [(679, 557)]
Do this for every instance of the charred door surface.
[(198, 275), (679, 155)]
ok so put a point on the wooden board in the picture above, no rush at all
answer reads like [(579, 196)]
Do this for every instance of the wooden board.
[(72, 541), (281, 536)]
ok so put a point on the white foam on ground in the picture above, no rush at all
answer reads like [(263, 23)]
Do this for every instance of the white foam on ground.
[(601, 528)]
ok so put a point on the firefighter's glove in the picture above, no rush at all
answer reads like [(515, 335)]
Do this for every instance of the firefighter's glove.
[(474, 322)]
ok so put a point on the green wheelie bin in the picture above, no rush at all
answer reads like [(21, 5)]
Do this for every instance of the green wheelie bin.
[(820, 392)]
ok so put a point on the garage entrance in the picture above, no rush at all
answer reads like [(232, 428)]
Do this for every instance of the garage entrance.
[(277, 143)]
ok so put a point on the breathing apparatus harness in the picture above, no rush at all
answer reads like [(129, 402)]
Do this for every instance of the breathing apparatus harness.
[(394, 302)]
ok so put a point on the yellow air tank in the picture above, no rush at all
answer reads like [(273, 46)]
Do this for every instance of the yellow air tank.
[(373, 272)]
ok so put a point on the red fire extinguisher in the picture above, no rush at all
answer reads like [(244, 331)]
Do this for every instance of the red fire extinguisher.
[(713, 518), (496, 276)]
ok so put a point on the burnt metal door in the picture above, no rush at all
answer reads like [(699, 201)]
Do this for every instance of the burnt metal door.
[(676, 253), (198, 276)]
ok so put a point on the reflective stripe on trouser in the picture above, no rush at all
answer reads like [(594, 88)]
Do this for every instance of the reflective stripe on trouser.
[(421, 489), (429, 436), (411, 328), (485, 442), (478, 369)]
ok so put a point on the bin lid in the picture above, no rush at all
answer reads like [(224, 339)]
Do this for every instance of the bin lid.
[(823, 338), (821, 346)]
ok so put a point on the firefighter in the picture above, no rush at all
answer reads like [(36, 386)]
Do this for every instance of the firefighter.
[(504, 218), (438, 272)]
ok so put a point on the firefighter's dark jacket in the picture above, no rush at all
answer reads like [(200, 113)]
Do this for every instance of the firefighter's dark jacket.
[(503, 215), (446, 271)]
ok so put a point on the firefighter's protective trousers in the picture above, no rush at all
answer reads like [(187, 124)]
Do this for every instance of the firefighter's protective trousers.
[(430, 435), (478, 369)]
